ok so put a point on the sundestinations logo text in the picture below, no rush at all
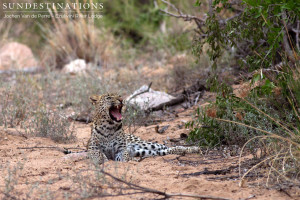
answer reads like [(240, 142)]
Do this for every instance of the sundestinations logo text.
[(58, 6), (48, 10)]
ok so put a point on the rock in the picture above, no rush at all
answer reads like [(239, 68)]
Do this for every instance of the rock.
[(75, 67), (148, 99), (14, 55)]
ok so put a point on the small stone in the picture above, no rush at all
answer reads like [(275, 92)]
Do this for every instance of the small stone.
[(75, 67)]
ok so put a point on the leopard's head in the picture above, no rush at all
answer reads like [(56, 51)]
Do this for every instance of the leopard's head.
[(108, 107)]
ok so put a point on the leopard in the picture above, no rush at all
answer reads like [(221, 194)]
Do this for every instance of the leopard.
[(108, 140)]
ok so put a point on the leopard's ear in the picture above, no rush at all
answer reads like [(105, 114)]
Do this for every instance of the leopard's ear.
[(94, 99)]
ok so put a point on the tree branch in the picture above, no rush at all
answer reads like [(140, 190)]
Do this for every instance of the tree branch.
[(181, 15), (287, 44), (297, 31)]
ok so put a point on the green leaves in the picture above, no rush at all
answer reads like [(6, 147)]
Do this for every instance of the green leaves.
[(198, 3), (257, 33)]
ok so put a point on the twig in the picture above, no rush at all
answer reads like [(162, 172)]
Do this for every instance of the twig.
[(213, 172), (166, 195), (287, 43), (180, 14), (210, 11), (64, 150), (197, 98), (297, 31), (142, 92), (297, 35)]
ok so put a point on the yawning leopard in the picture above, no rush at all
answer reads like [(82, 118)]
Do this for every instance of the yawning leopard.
[(109, 142)]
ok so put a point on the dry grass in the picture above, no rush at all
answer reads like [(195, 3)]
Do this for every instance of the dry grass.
[(5, 28), (280, 155), (70, 39)]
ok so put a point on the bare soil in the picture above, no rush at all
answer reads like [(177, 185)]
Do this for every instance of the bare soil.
[(52, 171)]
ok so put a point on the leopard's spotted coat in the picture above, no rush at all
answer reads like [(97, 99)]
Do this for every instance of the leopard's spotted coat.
[(109, 141)]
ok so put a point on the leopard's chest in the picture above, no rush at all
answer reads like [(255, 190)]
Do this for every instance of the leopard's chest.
[(111, 144)]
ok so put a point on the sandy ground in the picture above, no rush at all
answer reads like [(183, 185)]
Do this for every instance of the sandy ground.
[(47, 174)]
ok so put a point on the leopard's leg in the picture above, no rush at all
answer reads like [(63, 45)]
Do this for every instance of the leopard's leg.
[(180, 150), (95, 153), (124, 156), (144, 149)]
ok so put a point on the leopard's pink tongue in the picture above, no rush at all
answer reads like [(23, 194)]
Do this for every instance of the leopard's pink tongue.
[(116, 114)]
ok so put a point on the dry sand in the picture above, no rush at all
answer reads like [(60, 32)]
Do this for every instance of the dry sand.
[(51, 172)]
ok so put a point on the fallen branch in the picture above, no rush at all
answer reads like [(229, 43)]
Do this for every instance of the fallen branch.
[(164, 194), (172, 102), (198, 86), (64, 150), (212, 172), (85, 117)]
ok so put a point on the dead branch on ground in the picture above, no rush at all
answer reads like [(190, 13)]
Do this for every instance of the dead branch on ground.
[(198, 86), (165, 195), (64, 150)]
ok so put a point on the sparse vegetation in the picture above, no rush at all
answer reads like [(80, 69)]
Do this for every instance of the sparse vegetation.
[(50, 125), (271, 121), (252, 44)]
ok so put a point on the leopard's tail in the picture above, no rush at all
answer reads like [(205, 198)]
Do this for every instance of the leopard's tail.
[(154, 149)]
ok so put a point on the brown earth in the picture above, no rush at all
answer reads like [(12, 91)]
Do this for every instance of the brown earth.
[(49, 174)]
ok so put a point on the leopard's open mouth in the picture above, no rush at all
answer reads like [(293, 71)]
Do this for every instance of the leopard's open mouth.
[(115, 112)]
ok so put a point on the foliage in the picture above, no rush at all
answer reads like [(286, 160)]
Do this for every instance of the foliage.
[(254, 31), (230, 107), (266, 118), (257, 30)]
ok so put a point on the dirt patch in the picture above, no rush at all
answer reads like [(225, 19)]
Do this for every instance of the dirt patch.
[(44, 173)]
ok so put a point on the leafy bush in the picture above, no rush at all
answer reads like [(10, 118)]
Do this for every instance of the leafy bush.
[(235, 109), (260, 35), (254, 31)]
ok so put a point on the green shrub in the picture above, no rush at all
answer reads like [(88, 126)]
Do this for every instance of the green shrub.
[(254, 31)]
